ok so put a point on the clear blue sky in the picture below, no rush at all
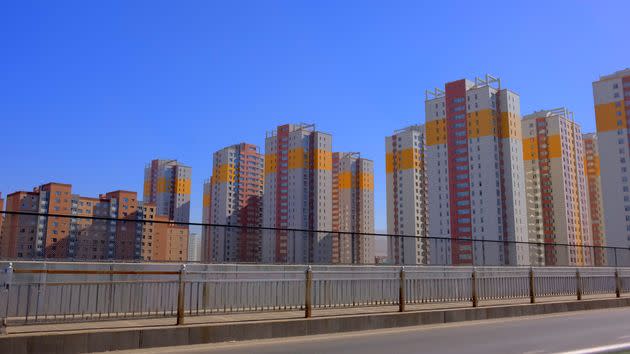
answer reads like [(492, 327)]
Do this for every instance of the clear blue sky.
[(91, 91)]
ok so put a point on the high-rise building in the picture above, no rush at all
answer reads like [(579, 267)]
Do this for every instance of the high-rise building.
[(474, 164), (234, 197), (594, 184), (206, 245), (407, 209), (194, 247), (298, 195), (612, 114), (167, 185), (557, 194), (352, 208)]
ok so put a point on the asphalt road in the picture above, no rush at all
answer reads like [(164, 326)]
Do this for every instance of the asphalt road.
[(532, 335)]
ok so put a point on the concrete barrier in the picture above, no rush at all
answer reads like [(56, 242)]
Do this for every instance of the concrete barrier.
[(108, 340)]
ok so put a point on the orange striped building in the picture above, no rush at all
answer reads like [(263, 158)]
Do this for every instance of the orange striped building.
[(594, 183), (407, 209), (233, 196), (611, 94), (352, 208), (474, 166), (557, 193), (298, 195), (167, 185)]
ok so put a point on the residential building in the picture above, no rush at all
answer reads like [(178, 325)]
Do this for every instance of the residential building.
[(194, 247), (83, 227), (557, 193), (407, 208), (594, 184), (474, 166), (298, 195), (234, 197), (352, 208), (612, 114), (167, 185)]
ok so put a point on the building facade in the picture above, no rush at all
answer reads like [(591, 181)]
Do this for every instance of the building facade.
[(234, 197), (557, 193), (474, 164), (594, 185), (352, 209), (407, 208), (167, 185), (611, 94), (298, 195), (83, 230)]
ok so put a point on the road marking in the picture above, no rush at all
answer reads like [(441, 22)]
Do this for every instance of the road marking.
[(624, 337), (602, 349)]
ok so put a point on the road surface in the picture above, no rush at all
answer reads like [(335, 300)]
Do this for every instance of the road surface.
[(532, 335)]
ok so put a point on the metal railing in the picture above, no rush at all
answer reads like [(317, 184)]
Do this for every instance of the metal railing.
[(55, 292)]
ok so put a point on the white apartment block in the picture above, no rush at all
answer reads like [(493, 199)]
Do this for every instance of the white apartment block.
[(407, 196), (612, 112), (298, 195), (474, 166), (557, 193)]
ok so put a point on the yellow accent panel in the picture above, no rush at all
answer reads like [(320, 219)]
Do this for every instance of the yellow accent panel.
[(345, 180), (404, 159), (389, 162), (322, 160), (182, 186), (510, 125), (271, 164), (296, 158), (147, 187), (407, 159), (162, 185), (366, 181), (606, 117), (223, 173), (206, 200), (554, 146), (481, 124), (530, 149), (436, 132)]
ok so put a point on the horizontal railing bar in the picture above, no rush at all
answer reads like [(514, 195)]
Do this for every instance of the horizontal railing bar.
[(93, 272)]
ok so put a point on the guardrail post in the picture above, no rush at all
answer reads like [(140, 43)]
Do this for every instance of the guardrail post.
[(6, 287), (181, 295), (578, 283), (532, 290), (617, 283), (475, 300), (401, 291), (308, 291)]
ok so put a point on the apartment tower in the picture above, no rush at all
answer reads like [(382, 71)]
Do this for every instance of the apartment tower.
[(612, 114), (298, 195), (167, 185), (352, 208), (407, 209), (474, 164), (234, 197), (594, 184), (557, 194)]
